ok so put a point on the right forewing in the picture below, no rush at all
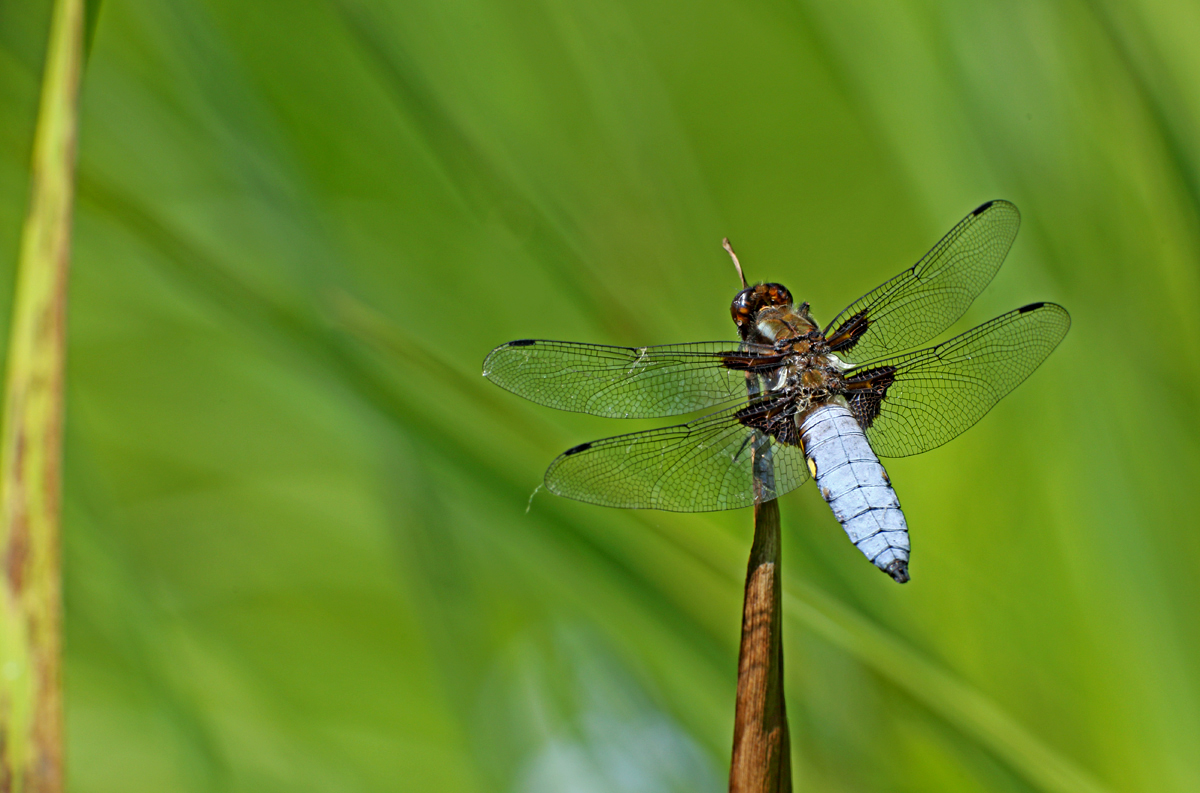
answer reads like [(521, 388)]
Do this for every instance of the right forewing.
[(928, 297)]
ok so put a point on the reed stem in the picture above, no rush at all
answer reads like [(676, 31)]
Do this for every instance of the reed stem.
[(761, 748), (31, 440)]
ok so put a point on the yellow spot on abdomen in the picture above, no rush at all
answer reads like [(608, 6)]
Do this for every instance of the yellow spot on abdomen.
[(812, 467)]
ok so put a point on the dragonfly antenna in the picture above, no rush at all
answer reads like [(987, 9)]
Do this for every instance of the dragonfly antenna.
[(737, 265)]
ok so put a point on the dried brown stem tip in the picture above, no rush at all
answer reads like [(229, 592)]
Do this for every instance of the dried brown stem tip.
[(737, 265)]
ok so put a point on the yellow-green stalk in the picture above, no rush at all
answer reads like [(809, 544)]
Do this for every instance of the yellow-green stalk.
[(31, 731)]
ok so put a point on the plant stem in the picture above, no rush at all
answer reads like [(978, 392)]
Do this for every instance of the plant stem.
[(31, 443), (761, 748)]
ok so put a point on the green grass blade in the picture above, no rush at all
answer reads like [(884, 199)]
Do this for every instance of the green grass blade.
[(31, 446)]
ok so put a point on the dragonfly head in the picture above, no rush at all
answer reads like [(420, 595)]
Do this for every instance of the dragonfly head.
[(748, 302)]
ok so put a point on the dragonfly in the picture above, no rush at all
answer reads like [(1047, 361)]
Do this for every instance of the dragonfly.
[(790, 401)]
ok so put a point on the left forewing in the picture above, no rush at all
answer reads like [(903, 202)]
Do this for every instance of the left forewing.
[(627, 382)]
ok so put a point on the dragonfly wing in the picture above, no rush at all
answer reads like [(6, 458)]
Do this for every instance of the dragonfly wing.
[(627, 382), (928, 297), (911, 403), (702, 466)]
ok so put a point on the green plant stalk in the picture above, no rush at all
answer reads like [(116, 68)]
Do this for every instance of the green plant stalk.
[(31, 443)]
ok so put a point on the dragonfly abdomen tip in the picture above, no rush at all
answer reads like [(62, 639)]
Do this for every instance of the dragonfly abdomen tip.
[(898, 570)]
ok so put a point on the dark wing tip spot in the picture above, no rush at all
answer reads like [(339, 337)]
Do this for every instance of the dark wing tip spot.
[(898, 570), (521, 343), (1031, 307), (583, 447), (982, 208)]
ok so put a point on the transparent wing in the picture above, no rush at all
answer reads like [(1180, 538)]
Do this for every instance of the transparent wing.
[(627, 382), (928, 297), (916, 402), (702, 466)]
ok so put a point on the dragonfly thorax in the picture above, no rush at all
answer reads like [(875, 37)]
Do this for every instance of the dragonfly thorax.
[(779, 324)]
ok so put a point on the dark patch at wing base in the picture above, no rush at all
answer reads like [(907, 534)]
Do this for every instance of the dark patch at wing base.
[(865, 391), (775, 417), (752, 363), (849, 332)]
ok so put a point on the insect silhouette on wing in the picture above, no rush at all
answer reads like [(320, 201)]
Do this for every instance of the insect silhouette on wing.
[(816, 403)]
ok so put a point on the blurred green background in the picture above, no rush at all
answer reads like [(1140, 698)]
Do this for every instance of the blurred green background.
[(298, 556)]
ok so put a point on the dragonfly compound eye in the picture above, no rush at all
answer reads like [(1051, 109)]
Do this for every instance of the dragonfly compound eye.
[(777, 295), (753, 299), (744, 307)]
